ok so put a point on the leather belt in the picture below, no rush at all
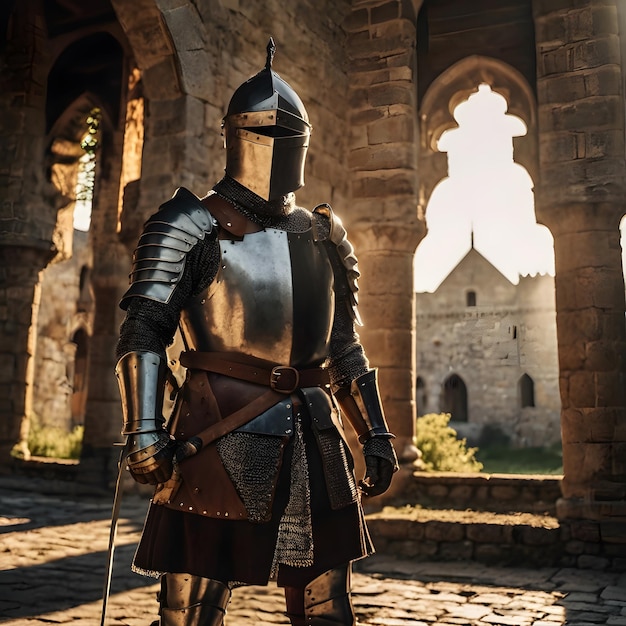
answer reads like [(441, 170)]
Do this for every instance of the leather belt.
[(281, 378)]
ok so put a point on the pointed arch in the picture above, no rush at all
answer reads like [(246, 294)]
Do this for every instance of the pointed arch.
[(526, 391), (454, 398), (454, 86)]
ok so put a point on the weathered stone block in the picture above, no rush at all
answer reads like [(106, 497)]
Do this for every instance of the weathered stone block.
[(397, 129), (389, 156), (562, 146), (444, 531), (393, 184), (554, 60), (356, 21), (490, 533), (385, 95), (536, 536), (504, 493), (594, 111), (595, 52)]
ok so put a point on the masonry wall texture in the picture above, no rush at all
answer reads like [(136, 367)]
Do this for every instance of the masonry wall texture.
[(380, 79), (509, 332)]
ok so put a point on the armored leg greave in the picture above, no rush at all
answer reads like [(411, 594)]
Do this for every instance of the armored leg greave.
[(192, 601), (325, 601)]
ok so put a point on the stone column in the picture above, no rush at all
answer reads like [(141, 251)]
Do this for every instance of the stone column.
[(580, 197), (19, 303), (27, 219), (385, 229)]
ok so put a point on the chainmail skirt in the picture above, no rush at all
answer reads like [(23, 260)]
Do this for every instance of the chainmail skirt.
[(243, 552)]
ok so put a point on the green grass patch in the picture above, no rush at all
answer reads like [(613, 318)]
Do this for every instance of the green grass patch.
[(506, 460), (52, 441)]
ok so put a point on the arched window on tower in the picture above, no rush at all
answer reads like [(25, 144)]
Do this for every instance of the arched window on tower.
[(454, 398), (470, 298), (526, 391)]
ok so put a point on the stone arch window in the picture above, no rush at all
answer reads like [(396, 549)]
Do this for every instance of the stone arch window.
[(465, 209), (85, 300), (79, 387), (470, 298), (454, 398), (86, 174), (421, 395), (526, 391)]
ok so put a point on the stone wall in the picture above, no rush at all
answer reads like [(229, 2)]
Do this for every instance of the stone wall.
[(63, 312), (509, 332)]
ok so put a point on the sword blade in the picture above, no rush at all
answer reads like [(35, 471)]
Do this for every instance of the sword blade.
[(115, 514)]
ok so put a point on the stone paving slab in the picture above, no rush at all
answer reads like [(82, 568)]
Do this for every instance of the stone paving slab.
[(53, 554)]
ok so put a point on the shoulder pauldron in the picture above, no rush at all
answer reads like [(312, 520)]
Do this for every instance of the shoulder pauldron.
[(338, 238), (159, 259)]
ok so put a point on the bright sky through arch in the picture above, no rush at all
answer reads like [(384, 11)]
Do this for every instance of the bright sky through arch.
[(486, 195)]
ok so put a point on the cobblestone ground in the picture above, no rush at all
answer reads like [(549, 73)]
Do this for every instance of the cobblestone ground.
[(53, 555)]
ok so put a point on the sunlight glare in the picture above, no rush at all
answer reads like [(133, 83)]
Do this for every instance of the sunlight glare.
[(487, 198)]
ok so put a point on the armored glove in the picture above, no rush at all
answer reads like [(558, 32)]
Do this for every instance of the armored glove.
[(380, 464), (361, 404), (141, 379), (150, 457)]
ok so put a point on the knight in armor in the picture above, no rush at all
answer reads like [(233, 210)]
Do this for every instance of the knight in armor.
[(254, 477)]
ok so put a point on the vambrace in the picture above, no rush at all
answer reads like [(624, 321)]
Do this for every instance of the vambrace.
[(361, 404), (141, 380)]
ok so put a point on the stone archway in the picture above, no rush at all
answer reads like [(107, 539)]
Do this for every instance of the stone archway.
[(453, 87)]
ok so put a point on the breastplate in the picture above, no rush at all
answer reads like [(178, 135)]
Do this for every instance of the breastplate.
[(272, 298)]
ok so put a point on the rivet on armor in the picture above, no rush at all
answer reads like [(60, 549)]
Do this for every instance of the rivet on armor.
[(182, 504), (191, 508), (226, 514), (196, 490), (204, 512), (288, 406), (217, 513)]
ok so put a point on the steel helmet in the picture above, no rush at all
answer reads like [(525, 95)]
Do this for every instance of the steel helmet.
[(267, 133)]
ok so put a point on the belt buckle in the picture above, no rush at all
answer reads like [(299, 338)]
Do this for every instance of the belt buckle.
[(278, 381)]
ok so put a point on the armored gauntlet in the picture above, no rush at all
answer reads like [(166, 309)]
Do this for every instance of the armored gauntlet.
[(360, 403), (141, 378)]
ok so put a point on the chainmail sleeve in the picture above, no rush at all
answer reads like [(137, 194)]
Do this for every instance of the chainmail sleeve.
[(347, 358), (151, 325)]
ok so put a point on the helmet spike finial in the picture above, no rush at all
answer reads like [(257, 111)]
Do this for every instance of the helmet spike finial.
[(271, 51)]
